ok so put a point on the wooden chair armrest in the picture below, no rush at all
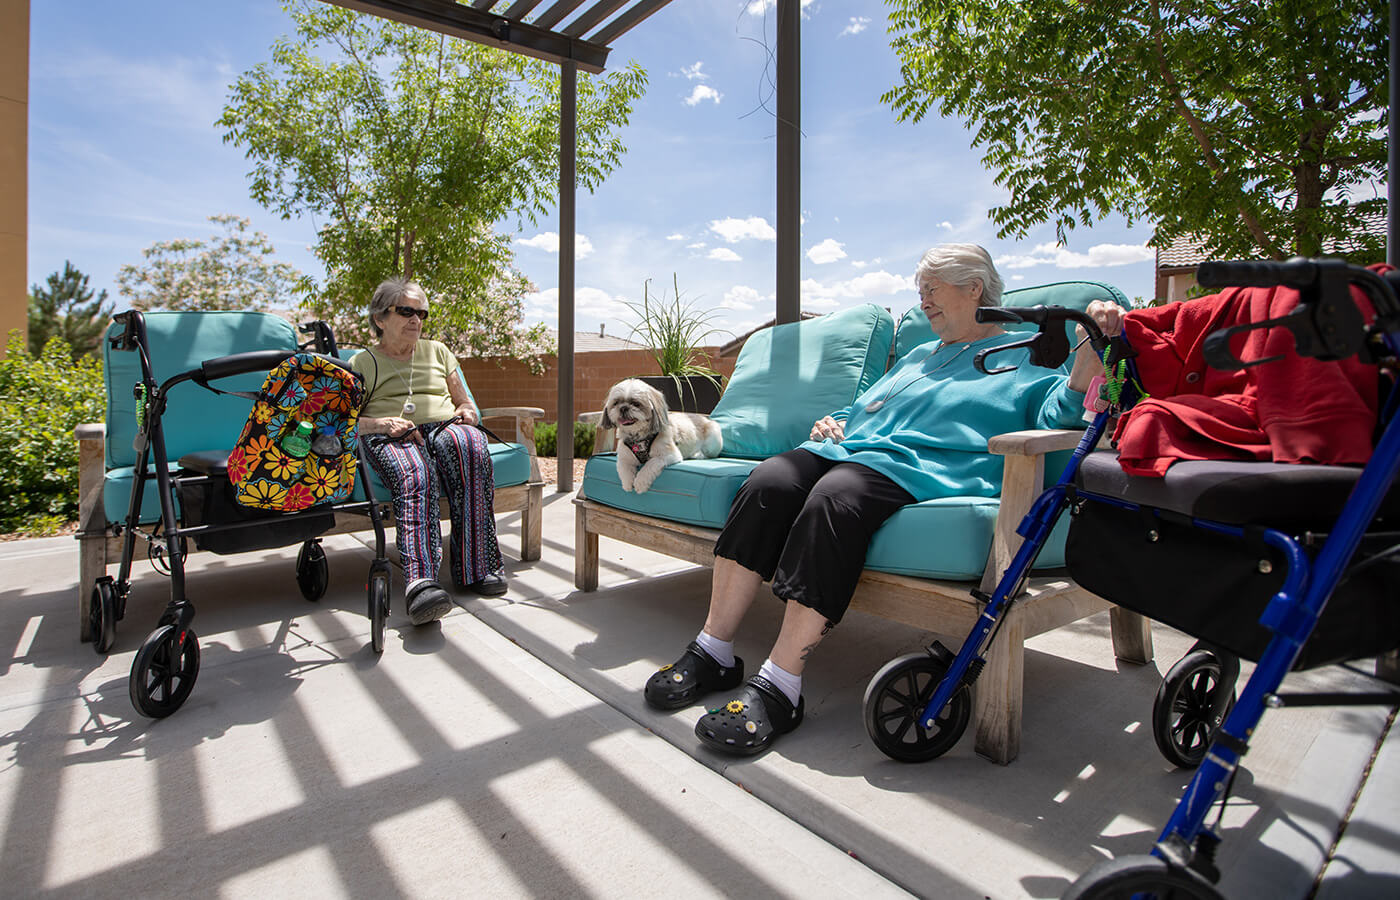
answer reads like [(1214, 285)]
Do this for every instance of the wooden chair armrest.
[(525, 418), (516, 412), (91, 469), (1034, 442), (604, 441)]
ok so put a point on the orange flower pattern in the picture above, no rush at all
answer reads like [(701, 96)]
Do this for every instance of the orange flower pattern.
[(307, 388)]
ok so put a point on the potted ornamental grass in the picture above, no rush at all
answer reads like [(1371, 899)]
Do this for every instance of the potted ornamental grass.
[(675, 333)]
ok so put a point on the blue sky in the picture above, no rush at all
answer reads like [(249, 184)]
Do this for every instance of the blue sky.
[(124, 153)]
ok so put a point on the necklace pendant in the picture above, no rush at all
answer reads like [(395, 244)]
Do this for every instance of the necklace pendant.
[(874, 406), (409, 407)]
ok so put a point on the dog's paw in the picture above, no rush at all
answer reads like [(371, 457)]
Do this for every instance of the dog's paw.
[(642, 484)]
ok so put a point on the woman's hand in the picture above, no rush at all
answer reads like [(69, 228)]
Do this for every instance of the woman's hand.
[(467, 414), (395, 427), (1109, 317), (827, 428)]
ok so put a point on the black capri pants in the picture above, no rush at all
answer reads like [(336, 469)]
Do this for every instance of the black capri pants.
[(804, 523)]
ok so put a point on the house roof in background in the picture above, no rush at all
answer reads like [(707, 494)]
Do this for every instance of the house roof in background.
[(595, 341), (1186, 253)]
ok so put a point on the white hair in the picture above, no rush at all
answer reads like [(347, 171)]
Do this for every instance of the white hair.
[(960, 265), (387, 296)]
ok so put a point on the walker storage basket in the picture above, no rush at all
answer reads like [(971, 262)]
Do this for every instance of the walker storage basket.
[(209, 500), (1216, 587)]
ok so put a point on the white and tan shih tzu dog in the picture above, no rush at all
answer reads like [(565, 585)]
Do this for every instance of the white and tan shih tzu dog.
[(650, 437)]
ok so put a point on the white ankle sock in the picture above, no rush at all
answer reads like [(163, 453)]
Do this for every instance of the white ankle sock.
[(721, 651), (790, 684), (414, 585)]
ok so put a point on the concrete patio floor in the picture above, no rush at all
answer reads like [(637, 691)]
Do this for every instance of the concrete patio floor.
[(507, 752)]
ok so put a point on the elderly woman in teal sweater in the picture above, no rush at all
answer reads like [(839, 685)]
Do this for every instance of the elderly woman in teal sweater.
[(804, 519)]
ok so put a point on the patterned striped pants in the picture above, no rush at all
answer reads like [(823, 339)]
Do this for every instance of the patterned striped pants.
[(459, 457)]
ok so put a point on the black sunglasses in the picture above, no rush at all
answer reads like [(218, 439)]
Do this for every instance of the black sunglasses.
[(409, 312)]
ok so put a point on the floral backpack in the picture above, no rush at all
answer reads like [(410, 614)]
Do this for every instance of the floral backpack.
[(298, 448)]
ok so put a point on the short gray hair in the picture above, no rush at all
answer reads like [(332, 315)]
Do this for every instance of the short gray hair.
[(960, 265), (387, 296)]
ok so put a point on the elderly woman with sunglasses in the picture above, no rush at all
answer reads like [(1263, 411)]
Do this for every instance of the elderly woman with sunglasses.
[(417, 422)]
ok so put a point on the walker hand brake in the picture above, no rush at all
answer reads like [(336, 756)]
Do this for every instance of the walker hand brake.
[(1049, 346), (1325, 324)]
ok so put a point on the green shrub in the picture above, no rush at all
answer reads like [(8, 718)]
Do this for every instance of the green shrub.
[(41, 400), (547, 439)]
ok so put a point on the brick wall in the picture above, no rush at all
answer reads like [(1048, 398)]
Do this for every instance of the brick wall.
[(507, 382)]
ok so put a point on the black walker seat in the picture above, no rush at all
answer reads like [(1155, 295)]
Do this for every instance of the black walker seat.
[(1215, 586)]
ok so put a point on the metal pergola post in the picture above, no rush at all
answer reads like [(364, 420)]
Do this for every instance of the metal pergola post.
[(789, 209), (568, 112)]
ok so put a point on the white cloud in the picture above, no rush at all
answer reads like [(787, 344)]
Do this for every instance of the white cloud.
[(743, 297), (723, 254), (703, 92), (675, 237), (946, 226), (859, 263), (698, 245), (735, 230), (864, 287), (589, 302), (856, 26), (1098, 256), (693, 73), (548, 241), (828, 251), (759, 7)]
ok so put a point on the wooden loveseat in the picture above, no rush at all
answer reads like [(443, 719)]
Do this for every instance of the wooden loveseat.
[(197, 420), (787, 377)]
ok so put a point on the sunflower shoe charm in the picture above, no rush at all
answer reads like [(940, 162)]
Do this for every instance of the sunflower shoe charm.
[(748, 723)]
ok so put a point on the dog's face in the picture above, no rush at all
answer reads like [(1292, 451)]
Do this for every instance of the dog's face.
[(635, 409)]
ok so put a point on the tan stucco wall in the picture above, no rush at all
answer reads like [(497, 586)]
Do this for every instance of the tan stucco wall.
[(14, 165)]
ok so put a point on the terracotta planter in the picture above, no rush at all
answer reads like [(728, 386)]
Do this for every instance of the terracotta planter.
[(688, 393)]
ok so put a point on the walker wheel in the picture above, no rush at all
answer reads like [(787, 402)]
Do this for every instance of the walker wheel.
[(313, 573), (378, 608), (895, 701), (160, 681), (102, 616), (1190, 705), (1143, 877)]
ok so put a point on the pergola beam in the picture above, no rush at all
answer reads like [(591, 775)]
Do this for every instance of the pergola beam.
[(456, 20)]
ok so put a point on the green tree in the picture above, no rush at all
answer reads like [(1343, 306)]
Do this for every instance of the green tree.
[(407, 147), (43, 397), (67, 309), (1256, 126), (232, 270)]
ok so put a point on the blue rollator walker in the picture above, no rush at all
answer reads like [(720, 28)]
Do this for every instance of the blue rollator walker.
[(917, 707)]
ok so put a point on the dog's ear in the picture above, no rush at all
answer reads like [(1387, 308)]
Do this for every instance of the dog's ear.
[(660, 415), (607, 421)]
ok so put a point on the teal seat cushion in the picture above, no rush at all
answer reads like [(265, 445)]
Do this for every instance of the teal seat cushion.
[(788, 376), (693, 491), (116, 495), (949, 538), (195, 419), (915, 330)]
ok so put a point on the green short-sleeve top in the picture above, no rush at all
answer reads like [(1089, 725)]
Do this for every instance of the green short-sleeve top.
[(389, 382)]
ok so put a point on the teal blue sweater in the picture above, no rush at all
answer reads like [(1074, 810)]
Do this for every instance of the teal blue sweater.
[(929, 435)]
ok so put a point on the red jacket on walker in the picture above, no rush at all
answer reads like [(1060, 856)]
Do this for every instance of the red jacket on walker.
[(1292, 410)]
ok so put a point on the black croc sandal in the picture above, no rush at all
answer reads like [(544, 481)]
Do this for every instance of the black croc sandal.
[(696, 673), (748, 723)]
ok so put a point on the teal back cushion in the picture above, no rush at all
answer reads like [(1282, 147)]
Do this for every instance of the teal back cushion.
[(195, 419), (914, 328), (788, 376)]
